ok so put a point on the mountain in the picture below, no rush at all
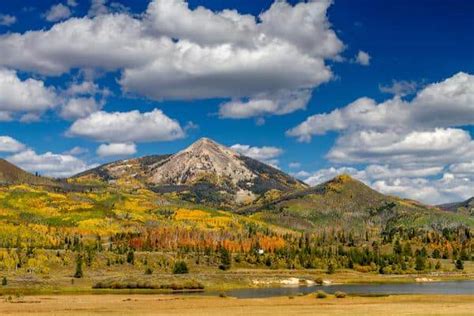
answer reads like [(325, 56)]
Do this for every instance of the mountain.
[(345, 203), (466, 207), (11, 174), (131, 171), (205, 172)]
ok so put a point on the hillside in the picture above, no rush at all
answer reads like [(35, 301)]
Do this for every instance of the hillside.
[(130, 171), (205, 172), (464, 207), (11, 174), (345, 203), (131, 237)]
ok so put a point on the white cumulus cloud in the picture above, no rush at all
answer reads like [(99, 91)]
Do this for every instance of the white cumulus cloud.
[(11, 145), (248, 59), (399, 88), (7, 20), (18, 95), (262, 105), (265, 154), (80, 107), (362, 58), (116, 149), (444, 104), (133, 126), (49, 164), (57, 12)]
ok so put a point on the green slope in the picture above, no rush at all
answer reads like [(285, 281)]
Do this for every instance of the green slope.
[(345, 203)]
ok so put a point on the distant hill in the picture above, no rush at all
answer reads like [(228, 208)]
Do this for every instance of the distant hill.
[(130, 170), (345, 203), (205, 172), (11, 174), (466, 207)]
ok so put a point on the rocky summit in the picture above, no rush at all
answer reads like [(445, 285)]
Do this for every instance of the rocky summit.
[(203, 160), (204, 172)]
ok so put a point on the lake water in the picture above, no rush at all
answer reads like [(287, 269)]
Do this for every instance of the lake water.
[(451, 287)]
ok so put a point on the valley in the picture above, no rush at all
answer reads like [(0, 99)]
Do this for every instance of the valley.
[(116, 228)]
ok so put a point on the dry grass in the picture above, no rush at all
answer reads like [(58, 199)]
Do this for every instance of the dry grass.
[(187, 305)]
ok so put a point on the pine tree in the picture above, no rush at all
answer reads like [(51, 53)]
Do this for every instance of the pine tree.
[(225, 259), (131, 257), (420, 263), (79, 273)]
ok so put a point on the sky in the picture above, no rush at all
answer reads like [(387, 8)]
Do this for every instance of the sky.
[(381, 90)]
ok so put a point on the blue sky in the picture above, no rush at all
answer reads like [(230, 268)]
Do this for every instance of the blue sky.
[(404, 48)]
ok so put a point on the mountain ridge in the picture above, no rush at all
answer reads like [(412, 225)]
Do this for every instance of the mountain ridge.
[(344, 202), (466, 206), (204, 172)]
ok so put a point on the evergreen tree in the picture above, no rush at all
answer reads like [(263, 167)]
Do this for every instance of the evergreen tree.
[(131, 257), (79, 273), (225, 259), (420, 263), (397, 247)]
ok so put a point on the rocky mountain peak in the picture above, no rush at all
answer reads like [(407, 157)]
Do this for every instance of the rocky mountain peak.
[(204, 159)]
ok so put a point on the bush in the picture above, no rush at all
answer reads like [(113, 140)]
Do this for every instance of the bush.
[(4, 281), (180, 267), (138, 284), (459, 264), (318, 281), (131, 257), (340, 294), (331, 268), (420, 263), (148, 271), (321, 294)]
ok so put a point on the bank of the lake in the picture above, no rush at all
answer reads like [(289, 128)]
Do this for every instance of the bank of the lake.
[(212, 281), (205, 305)]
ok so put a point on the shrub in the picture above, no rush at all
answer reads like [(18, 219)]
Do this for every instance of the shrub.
[(420, 263), (459, 264), (180, 267), (4, 281), (134, 284), (148, 271), (340, 294), (131, 257), (223, 295), (318, 281), (331, 268), (321, 294)]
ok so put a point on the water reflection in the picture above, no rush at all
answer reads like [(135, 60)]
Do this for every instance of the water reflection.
[(451, 287)]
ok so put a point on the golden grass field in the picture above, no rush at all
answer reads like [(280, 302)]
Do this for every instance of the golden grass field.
[(187, 305)]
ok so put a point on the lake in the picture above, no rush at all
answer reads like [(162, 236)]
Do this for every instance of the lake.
[(449, 287)]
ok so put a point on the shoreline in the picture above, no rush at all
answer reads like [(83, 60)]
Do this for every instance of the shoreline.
[(210, 305), (275, 281)]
